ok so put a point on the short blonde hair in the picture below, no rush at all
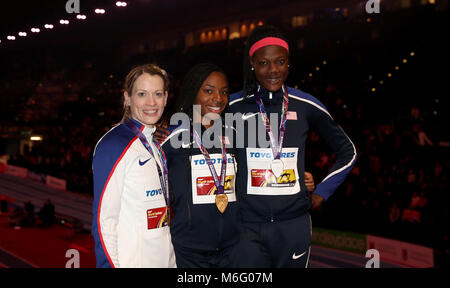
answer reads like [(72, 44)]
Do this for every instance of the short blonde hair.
[(132, 76)]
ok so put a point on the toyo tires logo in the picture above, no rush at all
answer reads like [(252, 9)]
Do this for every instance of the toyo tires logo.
[(151, 193)]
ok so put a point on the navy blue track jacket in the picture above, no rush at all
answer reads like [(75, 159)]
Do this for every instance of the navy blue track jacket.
[(264, 198), (197, 224)]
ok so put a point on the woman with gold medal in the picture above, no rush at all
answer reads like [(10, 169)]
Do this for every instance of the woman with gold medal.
[(201, 170)]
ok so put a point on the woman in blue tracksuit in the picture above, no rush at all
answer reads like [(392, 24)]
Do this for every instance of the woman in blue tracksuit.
[(271, 188), (204, 225)]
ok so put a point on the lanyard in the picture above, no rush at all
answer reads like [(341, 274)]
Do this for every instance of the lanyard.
[(163, 176), (275, 145), (220, 184)]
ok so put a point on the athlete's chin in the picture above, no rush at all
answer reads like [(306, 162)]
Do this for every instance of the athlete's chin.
[(151, 121), (212, 115), (273, 87)]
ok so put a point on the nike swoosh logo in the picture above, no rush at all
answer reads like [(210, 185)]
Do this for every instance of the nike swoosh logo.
[(245, 117), (187, 145), (298, 256), (143, 163)]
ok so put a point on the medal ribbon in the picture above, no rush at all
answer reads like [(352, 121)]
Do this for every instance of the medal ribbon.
[(163, 175), (275, 145), (220, 184)]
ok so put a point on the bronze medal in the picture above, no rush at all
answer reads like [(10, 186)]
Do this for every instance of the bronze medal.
[(221, 202)]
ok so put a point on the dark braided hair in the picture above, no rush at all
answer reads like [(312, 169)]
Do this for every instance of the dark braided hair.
[(191, 84), (258, 33)]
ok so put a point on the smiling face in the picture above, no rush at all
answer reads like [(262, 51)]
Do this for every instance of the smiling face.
[(147, 100), (271, 66), (213, 95)]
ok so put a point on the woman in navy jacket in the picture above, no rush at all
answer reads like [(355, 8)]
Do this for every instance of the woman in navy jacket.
[(204, 225), (271, 189)]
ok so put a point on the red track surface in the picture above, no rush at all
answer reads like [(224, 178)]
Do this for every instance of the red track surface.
[(46, 247)]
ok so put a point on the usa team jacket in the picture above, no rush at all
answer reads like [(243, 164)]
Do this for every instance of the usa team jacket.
[(129, 224), (263, 196), (197, 224)]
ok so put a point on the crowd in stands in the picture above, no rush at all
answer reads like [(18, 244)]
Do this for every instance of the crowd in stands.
[(397, 189), (26, 216)]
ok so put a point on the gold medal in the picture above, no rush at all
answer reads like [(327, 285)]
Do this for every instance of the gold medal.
[(221, 202)]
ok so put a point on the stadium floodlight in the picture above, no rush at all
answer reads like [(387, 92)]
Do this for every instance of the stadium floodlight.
[(64, 22), (22, 34), (48, 26), (10, 37), (35, 30), (99, 11), (121, 4), (81, 17)]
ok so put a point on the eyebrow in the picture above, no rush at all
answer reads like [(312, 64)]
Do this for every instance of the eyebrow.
[(276, 57), (149, 90), (215, 86)]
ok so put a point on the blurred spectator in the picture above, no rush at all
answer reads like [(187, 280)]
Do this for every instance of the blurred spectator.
[(16, 217), (29, 219), (47, 214), (395, 213), (3, 206), (420, 136)]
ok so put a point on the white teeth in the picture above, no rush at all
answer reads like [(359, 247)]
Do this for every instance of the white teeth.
[(213, 108), (149, 111)]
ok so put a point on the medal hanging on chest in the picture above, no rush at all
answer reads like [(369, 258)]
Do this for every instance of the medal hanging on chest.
[(277, 165), (221, 198), (221, 202), (163, 175)]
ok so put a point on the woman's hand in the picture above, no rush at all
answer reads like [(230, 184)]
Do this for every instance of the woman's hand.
[(309, 182), (316, 201), (161, 133)]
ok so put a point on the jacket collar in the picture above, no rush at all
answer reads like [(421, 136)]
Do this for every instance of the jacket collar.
[(148, 132), (269, 97)]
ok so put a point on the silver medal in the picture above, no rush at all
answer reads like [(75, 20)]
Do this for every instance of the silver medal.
[(277, 167)]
